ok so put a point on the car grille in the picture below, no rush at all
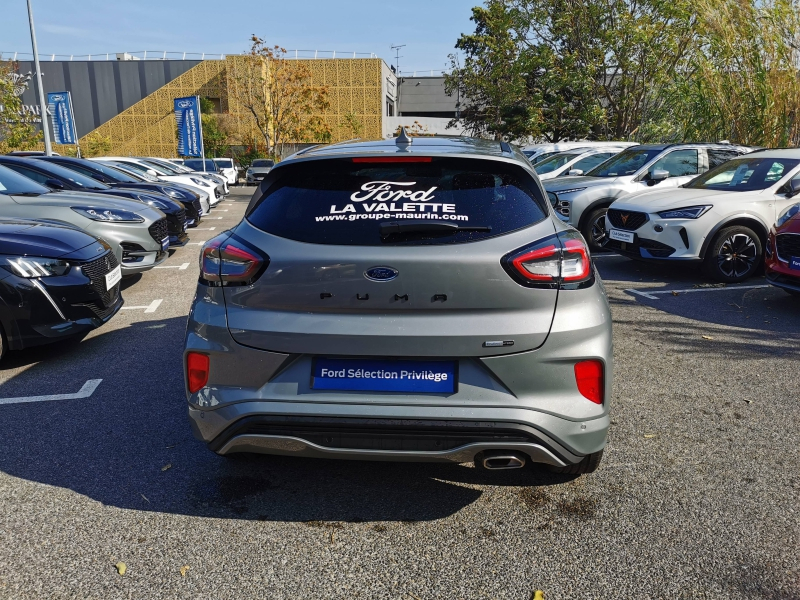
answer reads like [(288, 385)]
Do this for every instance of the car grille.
[(176, 222), (788, 245), (96, 272), (197, 208), (159, 230), (656, 249), (626, 219)]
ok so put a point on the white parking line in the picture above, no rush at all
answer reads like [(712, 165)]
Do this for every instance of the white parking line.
[(87, 390), (182, 267), (150, 308), (195, 243), (653, 296), (204, 228)]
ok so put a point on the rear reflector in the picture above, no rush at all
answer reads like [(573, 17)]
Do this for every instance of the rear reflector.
[(393, 159), (589, 377), (197, 366)]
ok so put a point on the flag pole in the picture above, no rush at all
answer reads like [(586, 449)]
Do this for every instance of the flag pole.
[(48, 148)]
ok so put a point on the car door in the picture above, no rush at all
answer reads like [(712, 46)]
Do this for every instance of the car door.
[(682, 165), (783, 199)]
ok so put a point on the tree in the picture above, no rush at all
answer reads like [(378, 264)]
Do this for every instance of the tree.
[(17, 131), (96, 145), (279, 95), (743, 82), (570, 68), (215, 139)]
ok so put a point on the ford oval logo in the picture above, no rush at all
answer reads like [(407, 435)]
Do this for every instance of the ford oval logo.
[(381, 273), (185, 103)]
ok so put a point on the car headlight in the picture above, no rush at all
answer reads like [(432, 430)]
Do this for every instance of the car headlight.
[(108, 214), (199, 182), (171, 193), (570, 191), (32, 266), (788, 214), (689, 212), (153, 201)]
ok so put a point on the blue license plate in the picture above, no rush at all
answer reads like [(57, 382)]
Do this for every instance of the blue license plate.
[(794, 263), (416, 376), (165, 243)]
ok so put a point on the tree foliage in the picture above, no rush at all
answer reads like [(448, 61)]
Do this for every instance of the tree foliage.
[(215, 138), (17, 131), (279, 95)]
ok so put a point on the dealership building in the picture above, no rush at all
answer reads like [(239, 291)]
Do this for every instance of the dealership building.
[(128, 99)]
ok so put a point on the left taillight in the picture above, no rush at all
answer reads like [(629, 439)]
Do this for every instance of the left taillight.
[(197, 367), (559, 261), (227, 260)]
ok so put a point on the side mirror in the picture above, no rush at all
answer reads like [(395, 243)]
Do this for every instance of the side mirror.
[(794, 188), (553, 199), (658, 175), (55, 184), (575, 172), (151, 172)]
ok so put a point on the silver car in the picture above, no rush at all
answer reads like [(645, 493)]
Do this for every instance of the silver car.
[(402, 300), (584, 201), (258, 170), (137, 233)]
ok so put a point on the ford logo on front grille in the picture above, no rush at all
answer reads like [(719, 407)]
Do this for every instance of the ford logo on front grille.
[(381, 273)]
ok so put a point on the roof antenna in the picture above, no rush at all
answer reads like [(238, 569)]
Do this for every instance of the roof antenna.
[(403, 139)]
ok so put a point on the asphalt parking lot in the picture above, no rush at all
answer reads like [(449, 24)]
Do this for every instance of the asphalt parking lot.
[(697, 496)]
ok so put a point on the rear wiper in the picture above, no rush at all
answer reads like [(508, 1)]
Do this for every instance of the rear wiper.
[(425, 226)]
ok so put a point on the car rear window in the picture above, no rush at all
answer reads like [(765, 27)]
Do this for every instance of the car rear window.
[(343, 202)]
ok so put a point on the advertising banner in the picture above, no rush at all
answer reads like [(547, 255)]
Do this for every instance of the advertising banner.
[(59, 104), (190, 128)]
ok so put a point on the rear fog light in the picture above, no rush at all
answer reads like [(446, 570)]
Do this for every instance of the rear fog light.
[(589, 377), (197, 366)]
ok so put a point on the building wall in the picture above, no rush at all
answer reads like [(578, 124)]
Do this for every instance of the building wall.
[(425, 97)]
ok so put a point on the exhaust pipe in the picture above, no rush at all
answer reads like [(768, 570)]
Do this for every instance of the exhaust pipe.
[(502, 460)]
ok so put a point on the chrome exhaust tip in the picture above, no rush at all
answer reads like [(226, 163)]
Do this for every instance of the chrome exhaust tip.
[(502, 460)]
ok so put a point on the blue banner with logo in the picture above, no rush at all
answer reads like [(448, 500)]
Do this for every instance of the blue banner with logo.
[(59, 104), (190, 128)]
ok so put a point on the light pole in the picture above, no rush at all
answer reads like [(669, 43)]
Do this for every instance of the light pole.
[(48, 148)]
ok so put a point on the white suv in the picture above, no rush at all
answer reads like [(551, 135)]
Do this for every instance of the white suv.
[(720, 219), (574, 162), (227, 168), (536, 153), (582, 201)]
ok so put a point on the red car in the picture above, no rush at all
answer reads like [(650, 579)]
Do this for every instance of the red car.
[(783, 252)]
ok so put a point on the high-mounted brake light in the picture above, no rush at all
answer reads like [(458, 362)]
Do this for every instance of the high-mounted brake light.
[(197, 367), (393, 159), (590, 380), (559, 261), (227, 260)]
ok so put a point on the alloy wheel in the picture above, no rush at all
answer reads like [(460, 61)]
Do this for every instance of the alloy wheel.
[(737, 256), (597, 231)]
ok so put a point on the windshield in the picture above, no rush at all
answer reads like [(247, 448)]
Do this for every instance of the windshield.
[(555, 162), (263, 162), (625, 163), (196, 164), (57, 171), (745, 174), (169, 167), (224, 163), (135, 170), (159, 168), (117, 175), (14, 183)]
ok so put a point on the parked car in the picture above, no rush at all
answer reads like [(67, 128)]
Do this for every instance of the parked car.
[(210, 174), (55, 282), (258, 169), (228, 168), (397, 300), (136, 232), (177, 161), (118, 177), (59, 178), (783, 246), (192, 181), (574, 162), (720, 219), (583, 201), (142, 174), (538, 152)]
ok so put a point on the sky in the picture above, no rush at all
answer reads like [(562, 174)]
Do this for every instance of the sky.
[(428, 28)]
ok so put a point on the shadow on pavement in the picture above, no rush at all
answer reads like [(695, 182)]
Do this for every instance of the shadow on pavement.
[(130, 446)]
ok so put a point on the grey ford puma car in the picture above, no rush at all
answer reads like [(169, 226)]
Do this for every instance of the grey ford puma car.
[(402, 300)]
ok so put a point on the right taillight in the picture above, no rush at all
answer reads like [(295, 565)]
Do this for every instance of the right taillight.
[(559, 261), (589, 377), (227, 260)]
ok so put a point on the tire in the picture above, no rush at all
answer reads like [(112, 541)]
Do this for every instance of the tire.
[(589, 464), (734, 255), (3, 344), (594, 229)]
